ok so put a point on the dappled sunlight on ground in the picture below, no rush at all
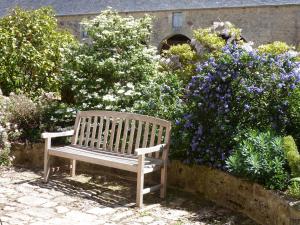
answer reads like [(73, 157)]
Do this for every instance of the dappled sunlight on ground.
[(101, 199)]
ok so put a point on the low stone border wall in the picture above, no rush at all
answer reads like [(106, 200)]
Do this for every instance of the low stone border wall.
[(264, 206)]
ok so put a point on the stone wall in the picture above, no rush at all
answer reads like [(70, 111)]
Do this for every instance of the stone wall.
[(260, 24), (265, 207)]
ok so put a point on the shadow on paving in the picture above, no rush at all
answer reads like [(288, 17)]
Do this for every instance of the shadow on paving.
[(115, 191)]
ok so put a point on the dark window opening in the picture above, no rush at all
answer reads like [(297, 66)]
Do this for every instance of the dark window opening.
[(174, 40)]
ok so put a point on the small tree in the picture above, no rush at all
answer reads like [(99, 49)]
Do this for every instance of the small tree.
[(32, 51), (106, 71)]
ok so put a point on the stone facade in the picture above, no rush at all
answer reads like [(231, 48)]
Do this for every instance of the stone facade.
[(261, 24)]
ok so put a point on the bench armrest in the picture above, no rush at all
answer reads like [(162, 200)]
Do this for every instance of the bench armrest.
[(142, 151), (57, 134)]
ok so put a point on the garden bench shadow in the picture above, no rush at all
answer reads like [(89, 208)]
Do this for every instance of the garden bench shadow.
[(104, 189), (113, 191)]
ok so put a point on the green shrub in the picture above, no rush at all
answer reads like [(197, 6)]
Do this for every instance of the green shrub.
[(259, 156), (294, 188), (163, 98), (292, 155), (24, 115), (294, 115), (32, 52), (275, 48), (184, 66), (57, 116), (209, 39)]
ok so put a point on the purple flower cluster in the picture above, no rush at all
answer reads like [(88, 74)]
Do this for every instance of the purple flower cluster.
[(240, 89)]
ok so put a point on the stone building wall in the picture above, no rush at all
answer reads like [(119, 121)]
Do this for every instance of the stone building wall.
[(260, 24)]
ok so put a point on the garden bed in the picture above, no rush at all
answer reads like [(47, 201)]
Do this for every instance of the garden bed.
[(263, 206)]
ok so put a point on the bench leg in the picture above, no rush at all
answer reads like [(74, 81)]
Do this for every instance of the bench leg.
[(140, 182), (46, 161), (163, 181), (73, 167)]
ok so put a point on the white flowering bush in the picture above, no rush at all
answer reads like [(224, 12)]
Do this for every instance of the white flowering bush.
[(4, 130), (107, 71)]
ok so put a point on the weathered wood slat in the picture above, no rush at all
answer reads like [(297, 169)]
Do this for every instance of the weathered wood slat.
[(106, 131), (146, 134), (117, 143), (152, 138), (139, 133), (88, 131), (131, 136), (130, 116), (159, 139), (81, 137), (124, 139), (100, 129), (93, 137), (76, 129), (112, 134)]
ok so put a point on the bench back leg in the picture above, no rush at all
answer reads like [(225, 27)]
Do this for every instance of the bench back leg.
[(140, 181), (47, 160), (163, 181), (73, 167)]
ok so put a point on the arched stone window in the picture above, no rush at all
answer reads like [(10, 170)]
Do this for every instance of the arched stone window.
[(173, 40)]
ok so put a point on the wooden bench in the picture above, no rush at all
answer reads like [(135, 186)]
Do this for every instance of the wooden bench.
[(125, 141)]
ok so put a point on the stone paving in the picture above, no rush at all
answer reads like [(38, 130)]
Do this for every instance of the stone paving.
[(101, 199)]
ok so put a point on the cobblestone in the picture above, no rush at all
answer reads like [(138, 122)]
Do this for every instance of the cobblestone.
[(25, 199)]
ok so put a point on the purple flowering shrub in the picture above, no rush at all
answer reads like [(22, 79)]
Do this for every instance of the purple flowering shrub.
[(240, 89)]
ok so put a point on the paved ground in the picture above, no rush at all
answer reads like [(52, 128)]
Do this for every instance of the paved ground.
[(25, 199)]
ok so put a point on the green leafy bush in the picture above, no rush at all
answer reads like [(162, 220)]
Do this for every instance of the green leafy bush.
[(183, 61), (294, 115), (32, 52), (292, 155), (25, 116), (275, 48), (105, 72), (294, 188), (259, 156), (209, 39), (57, 116), (162, 98)]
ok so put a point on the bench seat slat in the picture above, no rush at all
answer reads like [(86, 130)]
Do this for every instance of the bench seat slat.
[(109, 159)]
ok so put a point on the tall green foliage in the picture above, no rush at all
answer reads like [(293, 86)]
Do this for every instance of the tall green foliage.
[(32, 52), (259, 156), (292, 155), (106, 71)]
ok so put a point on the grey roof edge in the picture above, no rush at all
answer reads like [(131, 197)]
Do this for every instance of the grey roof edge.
[(181, 9), (92, 7)]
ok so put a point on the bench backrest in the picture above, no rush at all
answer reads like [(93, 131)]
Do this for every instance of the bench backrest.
[(119, 132)]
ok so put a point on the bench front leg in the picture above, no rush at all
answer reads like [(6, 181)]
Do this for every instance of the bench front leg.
[(73, 168), (163, 172), (47, 159), (163, 180), (140, 181)]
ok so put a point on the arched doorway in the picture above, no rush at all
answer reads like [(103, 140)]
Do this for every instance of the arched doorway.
[(174, 40)]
